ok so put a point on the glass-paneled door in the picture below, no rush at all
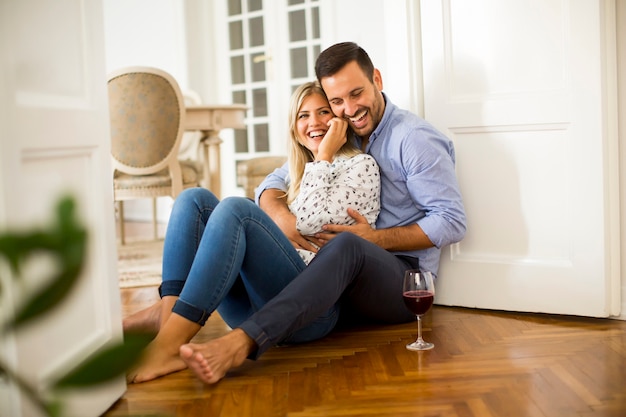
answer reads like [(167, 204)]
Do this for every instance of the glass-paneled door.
[(248, 76), (303, 39), (272, 49)]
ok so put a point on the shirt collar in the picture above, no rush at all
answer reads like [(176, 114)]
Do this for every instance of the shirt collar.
[(389, 108)]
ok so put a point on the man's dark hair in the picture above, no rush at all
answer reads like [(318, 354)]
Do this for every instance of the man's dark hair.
[(335, 57)]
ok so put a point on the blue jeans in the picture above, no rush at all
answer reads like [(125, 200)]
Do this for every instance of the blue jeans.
[(232, 257), (350, 275)]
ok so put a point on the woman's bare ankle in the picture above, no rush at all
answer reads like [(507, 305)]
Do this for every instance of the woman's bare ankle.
[(146, 320)]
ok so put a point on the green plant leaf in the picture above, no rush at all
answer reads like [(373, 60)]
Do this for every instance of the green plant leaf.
[(108, 363), (45, 299), (54, 408), (66, 241), (17, 247)]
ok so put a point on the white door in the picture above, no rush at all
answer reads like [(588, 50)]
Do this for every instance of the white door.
[(523, 89), (54, 138)]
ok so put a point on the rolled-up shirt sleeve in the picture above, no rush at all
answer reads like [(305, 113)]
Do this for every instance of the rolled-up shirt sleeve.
[(434, 186), (419, 184)]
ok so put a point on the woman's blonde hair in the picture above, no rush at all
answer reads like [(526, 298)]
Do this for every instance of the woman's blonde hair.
[(298, 154)]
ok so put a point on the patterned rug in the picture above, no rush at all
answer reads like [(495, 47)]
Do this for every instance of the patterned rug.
[(139, 263)]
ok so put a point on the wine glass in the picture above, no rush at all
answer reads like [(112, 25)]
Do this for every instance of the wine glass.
[(418, 292)]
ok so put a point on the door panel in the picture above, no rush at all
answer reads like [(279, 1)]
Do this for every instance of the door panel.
[(55, 140), (518, 86)]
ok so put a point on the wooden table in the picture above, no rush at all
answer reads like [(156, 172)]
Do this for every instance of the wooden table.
[(210, 120)]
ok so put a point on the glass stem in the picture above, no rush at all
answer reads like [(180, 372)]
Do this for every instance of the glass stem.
[(419, 328)]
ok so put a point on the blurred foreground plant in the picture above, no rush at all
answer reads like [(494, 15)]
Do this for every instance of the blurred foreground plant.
[(65, 239)]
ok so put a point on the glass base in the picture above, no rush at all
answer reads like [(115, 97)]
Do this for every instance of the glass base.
[(420, 345)]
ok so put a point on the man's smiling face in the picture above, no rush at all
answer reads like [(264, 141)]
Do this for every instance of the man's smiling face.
[(354, 97)]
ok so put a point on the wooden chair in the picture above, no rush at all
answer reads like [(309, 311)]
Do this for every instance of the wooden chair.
[(251, 172), (147, 114)]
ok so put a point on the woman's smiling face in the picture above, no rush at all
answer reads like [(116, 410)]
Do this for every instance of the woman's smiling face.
[(313, 118)]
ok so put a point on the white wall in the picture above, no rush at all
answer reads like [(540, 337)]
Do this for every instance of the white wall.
[(146, 32)]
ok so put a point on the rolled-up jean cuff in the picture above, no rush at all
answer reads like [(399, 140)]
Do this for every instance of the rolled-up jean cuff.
[(170, 287), (257, 334), (190, 312)]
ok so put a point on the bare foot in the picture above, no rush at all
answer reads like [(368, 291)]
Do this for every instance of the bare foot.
[(211, 361), (146, 320), (157, 361), (162, 357)]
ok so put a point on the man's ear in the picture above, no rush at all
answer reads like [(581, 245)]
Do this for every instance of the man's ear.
[(378, 79)]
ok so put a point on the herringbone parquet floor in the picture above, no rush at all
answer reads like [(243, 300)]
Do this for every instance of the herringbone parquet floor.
[(484, 364)]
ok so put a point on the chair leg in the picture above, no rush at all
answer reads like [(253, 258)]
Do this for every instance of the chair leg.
[(154, 219), (121, 220)]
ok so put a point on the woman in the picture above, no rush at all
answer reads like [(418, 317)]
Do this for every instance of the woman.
[(232, 257)]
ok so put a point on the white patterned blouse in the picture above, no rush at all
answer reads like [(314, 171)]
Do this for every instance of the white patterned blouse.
[(327, 191)]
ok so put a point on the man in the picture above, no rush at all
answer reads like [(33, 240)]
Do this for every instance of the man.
[(357, 273)]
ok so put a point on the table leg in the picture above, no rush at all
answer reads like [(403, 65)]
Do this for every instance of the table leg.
[(212, 163)]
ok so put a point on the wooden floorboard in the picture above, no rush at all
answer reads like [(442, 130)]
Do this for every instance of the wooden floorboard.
[(485, 363)]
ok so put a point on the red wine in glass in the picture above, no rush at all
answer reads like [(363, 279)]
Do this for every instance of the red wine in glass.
[(418, 292), (418, 301)]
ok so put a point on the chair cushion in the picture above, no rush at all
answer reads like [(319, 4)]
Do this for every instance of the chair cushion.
[(251, 172), (145, 118)]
